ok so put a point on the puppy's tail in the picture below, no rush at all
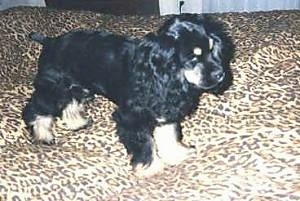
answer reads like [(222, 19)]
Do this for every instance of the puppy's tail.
[(38, 38)]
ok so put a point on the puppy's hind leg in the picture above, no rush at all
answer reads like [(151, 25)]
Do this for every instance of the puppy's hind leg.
[(38, 115), (135, 132), (47, 102)]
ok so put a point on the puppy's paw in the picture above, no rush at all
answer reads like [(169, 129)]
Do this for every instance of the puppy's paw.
[(77, 124), (72, 118), (41, 130), (48, 142), (176, 154), (170, 150), (88, 123), (43, 137), (156, 166)]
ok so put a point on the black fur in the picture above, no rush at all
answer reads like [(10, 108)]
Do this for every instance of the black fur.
[(76, 61), (145, 78)]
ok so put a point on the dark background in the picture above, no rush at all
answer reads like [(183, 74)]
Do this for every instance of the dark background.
[(117, 7)]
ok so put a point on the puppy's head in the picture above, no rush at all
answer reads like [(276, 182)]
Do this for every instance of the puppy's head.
[(202, 50)]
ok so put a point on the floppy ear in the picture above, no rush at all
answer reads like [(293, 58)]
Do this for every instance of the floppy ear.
[(224, 49), (178, 23), (170, 28)]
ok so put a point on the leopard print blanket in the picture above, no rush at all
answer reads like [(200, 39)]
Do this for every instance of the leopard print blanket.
[(248, 140)]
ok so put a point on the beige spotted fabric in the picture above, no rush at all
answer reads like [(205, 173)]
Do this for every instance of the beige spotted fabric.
[(247, 140)]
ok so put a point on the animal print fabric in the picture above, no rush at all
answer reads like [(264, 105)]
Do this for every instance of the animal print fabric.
[(247, 140)]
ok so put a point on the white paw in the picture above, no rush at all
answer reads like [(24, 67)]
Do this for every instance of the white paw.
[(49, 140), (154, 168), (170, 150), (76, 123), (176, 154), (42, 130), (71, 116)]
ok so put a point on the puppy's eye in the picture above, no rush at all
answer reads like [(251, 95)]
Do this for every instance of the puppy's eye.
[(210, 43), (197, 51)]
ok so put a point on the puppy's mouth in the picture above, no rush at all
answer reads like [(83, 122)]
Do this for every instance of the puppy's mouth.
[(208, 87), (195, 77), (220, 78)]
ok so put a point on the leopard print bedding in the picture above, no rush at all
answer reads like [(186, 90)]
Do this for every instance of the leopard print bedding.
[(247, 140)]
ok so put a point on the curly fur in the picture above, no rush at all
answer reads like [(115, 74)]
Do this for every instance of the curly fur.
[(155, 81)]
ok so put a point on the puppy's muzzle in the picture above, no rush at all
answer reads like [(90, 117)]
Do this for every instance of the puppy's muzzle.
[(218, 76)]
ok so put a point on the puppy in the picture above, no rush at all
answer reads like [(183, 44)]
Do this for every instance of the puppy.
[(155, 81)]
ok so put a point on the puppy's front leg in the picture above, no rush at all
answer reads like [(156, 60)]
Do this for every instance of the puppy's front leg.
[(170, 149), (135, 132), (72, 118), (38, 115)]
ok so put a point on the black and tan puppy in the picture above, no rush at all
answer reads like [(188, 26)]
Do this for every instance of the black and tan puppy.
[(155, 81)]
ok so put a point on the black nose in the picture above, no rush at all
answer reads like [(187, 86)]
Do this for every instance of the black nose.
[(218, 75)]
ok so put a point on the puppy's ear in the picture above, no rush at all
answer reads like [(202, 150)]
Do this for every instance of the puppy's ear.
[(177, 24), (223, 48), (223, 86), (165, 29)]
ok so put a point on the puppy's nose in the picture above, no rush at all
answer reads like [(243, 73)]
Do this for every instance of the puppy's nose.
[(218, 75)]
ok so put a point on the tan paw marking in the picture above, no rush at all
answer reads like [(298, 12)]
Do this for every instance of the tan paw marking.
[(154, 168), (169, 149), (42, 129), (71, 116)]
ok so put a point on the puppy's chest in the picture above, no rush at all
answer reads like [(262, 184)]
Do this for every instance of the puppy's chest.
[(172, 105), (165, 99)]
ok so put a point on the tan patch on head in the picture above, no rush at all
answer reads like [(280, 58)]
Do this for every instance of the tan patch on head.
[(194, 75), (197, 51), (210, 43)]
